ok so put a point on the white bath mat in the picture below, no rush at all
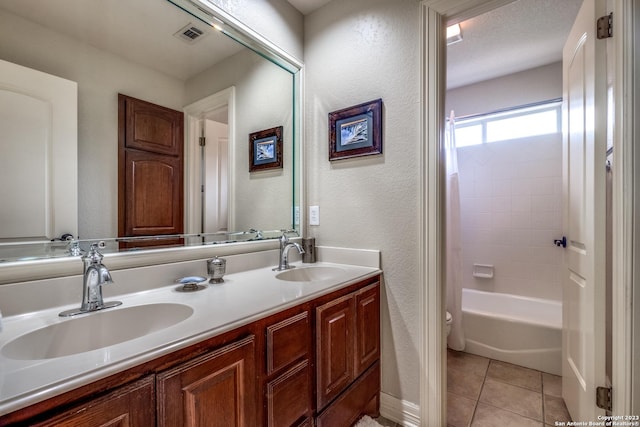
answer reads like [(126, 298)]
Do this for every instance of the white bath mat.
[(367, 421)]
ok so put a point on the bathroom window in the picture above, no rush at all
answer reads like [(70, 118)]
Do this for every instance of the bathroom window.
[(512, 124)]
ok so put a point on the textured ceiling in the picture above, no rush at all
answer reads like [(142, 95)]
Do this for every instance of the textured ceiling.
[(140, 31), (308, 6), (521, 35)]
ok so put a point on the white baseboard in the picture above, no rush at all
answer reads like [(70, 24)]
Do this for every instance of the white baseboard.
[(399, 411)]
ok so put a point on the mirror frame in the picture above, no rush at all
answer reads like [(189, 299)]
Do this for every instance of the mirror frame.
[(210, 14)]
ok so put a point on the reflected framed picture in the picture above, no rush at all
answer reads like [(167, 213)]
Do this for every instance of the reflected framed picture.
[(265, 149), (356, 131)]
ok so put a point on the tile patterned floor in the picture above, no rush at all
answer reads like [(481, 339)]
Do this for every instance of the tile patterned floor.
[(486, 393)]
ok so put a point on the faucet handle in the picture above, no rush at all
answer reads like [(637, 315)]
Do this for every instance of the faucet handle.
[(74, 248), (285, 232), (93, 255)]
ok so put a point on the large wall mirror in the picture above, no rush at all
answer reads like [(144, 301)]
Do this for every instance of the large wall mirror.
[(172, 54)]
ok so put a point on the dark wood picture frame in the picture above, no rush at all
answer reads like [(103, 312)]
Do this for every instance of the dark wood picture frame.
[(356, 131), (265, 149)]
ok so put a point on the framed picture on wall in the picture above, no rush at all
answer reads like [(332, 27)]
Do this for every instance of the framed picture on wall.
[(356, 131), (265, 149)]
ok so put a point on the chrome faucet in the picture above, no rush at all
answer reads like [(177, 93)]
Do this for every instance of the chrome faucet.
[(95, 274), (285, 245)]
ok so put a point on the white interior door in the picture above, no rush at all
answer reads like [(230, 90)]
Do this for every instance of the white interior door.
[(38, 146), (215, 177), (584, 87)]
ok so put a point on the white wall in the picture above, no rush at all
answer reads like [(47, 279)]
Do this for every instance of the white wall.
[(510, 199), (357, 51), (511, 191)]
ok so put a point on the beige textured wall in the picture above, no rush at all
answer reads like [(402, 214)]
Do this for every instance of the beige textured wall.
[(526, 87), (357, 51)]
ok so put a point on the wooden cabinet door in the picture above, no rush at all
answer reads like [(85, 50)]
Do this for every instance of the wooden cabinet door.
[(149, 185), (335, 329), (214, 390), (128, 406), (367, 327), (150, 169)]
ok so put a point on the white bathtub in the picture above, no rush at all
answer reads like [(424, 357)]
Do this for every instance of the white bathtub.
[(520, 330)]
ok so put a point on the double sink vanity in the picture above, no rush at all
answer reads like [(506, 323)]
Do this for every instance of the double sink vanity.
[(296, 347)]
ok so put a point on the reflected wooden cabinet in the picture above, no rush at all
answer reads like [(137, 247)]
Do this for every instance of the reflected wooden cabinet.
[(150, 171), (217, 389)]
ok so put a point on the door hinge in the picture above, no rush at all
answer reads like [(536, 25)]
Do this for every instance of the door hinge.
[(605, 26), (603, 398), (203, 141)]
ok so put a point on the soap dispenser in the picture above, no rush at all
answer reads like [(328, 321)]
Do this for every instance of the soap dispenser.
[(309, 246)]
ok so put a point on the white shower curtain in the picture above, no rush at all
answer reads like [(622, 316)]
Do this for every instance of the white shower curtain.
[(453, 254)]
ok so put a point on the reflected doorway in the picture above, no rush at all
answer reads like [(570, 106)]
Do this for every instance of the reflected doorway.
[(209, 151)]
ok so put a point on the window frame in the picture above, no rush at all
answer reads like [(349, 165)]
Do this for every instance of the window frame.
[(485, 118)]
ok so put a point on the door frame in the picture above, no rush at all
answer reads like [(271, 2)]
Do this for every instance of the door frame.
[(193, 113), (434, 15), (626, 236)]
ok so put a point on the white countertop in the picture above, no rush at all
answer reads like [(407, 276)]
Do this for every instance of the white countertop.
[(242, 298)]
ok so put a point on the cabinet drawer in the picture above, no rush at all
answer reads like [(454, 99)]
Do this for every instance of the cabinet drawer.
[(133, 403), (287, 341), (289, 397), (361, 398)]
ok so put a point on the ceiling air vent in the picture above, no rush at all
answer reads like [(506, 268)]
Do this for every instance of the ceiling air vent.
[(190, 33)]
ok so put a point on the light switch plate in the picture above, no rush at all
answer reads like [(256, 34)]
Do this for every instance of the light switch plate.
[(314, 215)]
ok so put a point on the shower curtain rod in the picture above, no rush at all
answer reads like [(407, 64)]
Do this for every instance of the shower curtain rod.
[(506, 110)]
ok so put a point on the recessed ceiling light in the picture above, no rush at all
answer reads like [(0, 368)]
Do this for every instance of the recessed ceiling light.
[(454, 34)]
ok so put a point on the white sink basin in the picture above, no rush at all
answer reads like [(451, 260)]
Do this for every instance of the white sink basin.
[(310, 274), (95, 330)]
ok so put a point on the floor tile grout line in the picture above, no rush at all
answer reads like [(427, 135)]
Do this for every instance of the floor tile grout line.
[(486, 376), (513, 412), (475, 408), (544, 409), (515, 385)]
